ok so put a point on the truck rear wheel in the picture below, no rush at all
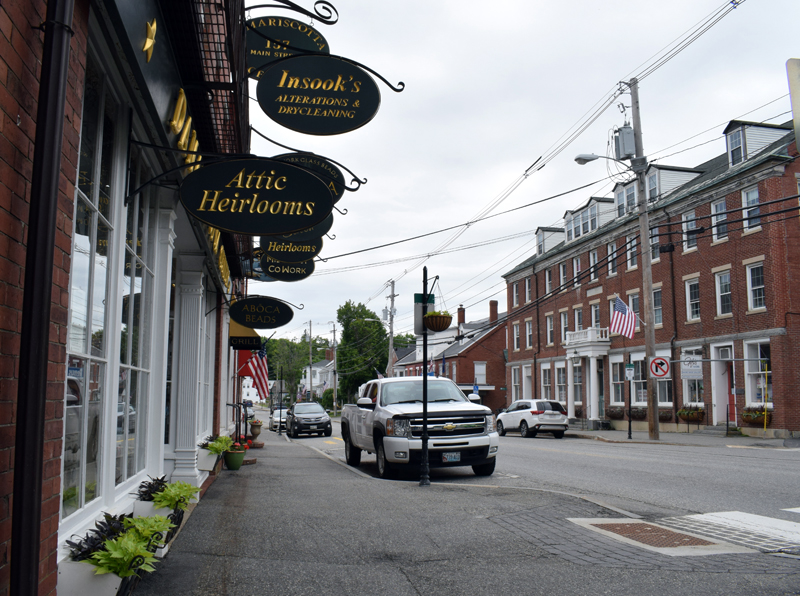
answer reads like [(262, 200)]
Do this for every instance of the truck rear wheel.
[(485, 469), (352, 455)]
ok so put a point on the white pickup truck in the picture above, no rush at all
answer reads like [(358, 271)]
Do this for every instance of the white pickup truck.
[(387, 421)]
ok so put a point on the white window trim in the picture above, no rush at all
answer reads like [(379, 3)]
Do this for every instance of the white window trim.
[(688, 219), (746, 229), (716, 218), (686, 284), (718, 296), (593, 267), (750, 307)]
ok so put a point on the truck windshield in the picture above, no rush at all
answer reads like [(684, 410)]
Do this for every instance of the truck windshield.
[(411, 391)]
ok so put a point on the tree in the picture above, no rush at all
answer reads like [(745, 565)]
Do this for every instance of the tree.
[(405, 340), (287, 359), (363, 349)]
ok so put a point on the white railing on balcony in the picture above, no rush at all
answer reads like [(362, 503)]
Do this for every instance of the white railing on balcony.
[(588, 336)]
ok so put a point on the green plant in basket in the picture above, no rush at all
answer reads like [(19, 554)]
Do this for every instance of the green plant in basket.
[(176, 495), (220, 445), (437, 313), (125, 555)]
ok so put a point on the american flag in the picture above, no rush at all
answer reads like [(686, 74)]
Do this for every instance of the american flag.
[(623, 321), (256, 367)]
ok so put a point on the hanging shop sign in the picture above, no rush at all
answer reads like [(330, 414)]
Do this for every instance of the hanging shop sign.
[(243, 338), (256, 196), (317, 231), (286, 251), (271, 38), (261, 312), (318, 95), (321, 167), (277, 271)]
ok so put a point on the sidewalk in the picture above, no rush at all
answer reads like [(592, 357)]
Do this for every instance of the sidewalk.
[(694, 439)]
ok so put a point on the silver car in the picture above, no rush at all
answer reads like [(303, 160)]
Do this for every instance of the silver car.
[(277, 419), (533, 416)]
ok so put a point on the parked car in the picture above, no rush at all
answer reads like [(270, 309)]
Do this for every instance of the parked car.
[(531, 417), (308, 418), (277, 419)]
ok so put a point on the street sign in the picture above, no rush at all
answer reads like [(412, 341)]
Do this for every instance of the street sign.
[(475, 389), (692, 368), (659, 367), (630, 372)]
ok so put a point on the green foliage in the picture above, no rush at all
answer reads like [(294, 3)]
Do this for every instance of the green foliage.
[(405, 340), (433, 313), (327, 399), (220, 445), (124, 555), (176, 495), (363, 349), (288, 358), (147, 527)]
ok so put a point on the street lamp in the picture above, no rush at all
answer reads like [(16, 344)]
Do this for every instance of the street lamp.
[(638, 167)]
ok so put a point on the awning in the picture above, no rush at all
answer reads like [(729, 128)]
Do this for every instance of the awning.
[(243, 338)]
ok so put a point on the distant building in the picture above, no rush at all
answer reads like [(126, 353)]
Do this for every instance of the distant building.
[(726, 290)]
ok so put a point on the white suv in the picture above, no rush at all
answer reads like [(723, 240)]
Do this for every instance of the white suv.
[(534, 416)]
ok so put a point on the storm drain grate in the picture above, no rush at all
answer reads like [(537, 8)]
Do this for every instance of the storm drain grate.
[(653, 535)]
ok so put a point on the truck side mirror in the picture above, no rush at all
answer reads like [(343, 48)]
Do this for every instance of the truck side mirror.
[(474, 398), (366, 403)]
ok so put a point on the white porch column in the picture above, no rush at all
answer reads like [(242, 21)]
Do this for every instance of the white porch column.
[(594, 386), (158, 377), (570, 390), (190, 332)]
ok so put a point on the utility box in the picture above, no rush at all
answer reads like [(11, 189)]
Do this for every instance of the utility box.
[(624, 145)]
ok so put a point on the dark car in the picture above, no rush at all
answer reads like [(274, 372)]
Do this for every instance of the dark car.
[(308, 418)]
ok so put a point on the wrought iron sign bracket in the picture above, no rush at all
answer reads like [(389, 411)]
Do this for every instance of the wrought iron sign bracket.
[(324, 11)]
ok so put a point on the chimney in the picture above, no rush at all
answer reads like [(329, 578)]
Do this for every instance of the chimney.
[(461, 316), (492, 311)]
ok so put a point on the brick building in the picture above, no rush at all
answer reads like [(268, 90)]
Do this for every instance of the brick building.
[(471, 354), (135, 324), (725, 292)]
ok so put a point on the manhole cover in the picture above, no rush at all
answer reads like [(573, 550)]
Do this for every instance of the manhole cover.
[(653, 535)]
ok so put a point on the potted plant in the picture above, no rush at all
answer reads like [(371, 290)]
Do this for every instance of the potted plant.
[(615, 412), (664, 414), (754, 414), (692, 413), (158, 497), (437, 320), (255, 428), (234, 456), (206, 458), (117, 549), (639, 413)]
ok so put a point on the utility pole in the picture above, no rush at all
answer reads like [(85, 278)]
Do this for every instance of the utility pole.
[(334, 369), (390, 365), (639, 166), (310, 362)]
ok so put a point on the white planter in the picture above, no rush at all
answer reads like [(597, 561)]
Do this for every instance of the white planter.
[(206, 460), (79, 579), (148, 509)]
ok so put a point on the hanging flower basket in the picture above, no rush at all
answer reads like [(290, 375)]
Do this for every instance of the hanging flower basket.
[(691, 415), (755, 416), (664, 415), (638, 413), (436, 321), (615, 412)]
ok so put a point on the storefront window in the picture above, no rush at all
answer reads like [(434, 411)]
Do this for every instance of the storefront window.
[(89, 285)]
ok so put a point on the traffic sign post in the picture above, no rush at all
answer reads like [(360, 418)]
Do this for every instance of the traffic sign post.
[(659, 367)]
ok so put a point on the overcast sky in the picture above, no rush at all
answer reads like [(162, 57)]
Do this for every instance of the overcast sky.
[(491, 88)]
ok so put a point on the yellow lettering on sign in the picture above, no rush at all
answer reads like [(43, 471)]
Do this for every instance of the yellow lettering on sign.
[(179, 114)]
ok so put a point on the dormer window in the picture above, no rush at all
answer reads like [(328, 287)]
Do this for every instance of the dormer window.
[(735, 147), (630, 198), (652, 187), (540, 243), (581, 223), (620, 203)]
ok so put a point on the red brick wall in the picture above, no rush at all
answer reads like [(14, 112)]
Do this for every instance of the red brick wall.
[(20, 70), (777, 241), (489, 350)]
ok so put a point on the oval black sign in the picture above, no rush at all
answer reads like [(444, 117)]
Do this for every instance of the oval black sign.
[(286, 271), (261, 312), (321, 167), (287, 251), (256, 196), (272, 38), (318, 95), (317, 231)]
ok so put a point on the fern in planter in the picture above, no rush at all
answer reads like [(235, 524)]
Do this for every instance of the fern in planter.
[(124, 556), (175, 495)]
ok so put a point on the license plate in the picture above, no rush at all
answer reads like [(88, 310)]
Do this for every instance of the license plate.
[(313, 427), (451, 456)]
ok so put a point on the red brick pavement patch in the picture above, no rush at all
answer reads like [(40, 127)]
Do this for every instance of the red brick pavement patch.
[(653, 535)]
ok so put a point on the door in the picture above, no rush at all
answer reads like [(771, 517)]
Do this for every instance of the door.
[(365, 417), (722, 385)]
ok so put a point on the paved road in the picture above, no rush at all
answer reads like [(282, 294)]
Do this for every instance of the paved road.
[(302, 522)]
